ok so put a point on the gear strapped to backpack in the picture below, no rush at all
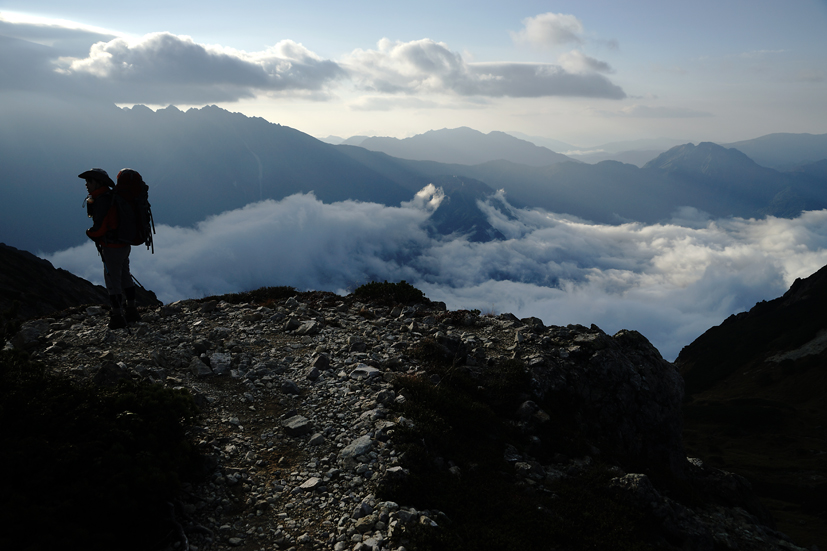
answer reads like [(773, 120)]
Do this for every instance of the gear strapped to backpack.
[(131, 198)]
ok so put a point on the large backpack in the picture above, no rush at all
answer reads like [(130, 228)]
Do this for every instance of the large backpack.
[(131, 197)]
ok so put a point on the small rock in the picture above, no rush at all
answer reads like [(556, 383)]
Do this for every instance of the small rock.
[(297, 425), (199, 368), (311, 484), (110, 374), (364, 371)]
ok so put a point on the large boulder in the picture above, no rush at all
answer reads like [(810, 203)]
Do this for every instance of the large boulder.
[(619, 391)]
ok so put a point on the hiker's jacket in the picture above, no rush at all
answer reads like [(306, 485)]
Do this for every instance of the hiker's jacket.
[(104, 230)]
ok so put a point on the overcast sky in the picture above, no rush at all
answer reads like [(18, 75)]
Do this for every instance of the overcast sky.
[(582, 72)]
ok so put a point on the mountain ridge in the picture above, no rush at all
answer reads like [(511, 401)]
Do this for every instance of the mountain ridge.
[(206, 161), (464, 145)]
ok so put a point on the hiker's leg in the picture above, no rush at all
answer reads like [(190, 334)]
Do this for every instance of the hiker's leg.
[(126, 275), (131, 310), (113, 259)]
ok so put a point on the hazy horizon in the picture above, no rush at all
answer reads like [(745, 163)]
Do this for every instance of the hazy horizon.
[(584, 74)]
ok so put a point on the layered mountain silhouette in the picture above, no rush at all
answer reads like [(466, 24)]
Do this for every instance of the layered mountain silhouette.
[(198, 163), (725, 177), (206, 161), (719, 181)]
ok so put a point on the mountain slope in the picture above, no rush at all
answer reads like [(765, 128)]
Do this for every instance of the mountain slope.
[(39, 288), (722, 179), (757, 385)]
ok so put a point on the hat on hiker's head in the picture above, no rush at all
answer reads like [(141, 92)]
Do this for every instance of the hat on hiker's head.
[(98, 175)]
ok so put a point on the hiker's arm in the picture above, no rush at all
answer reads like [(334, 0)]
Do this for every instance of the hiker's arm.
[(104, 218)]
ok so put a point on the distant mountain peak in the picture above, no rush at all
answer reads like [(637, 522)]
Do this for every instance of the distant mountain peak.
[(464, 146), (707, 158)]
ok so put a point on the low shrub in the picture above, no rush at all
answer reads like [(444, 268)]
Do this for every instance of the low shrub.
[(264, 296), (390, 293), (466, 422), (85, 467)]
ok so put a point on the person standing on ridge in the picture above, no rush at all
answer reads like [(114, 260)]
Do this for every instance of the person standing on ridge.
[(115, 253)]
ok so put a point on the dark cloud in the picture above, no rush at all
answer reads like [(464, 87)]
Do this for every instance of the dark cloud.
[(535, 80), (158, 68), (163, 68), (669, 281)]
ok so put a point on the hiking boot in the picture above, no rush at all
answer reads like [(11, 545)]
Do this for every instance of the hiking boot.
[(116, 320), (131, 314)]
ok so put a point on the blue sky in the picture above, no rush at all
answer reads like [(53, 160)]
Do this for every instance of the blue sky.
[(581, 72)]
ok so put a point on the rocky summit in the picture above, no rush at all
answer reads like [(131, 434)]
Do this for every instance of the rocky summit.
[(305, 433)]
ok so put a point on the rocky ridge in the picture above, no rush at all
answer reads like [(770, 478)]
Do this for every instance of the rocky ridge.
[(300, 415)]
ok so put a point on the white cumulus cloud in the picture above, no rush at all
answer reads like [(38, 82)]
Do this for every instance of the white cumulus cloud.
[(576, 61), (550, 29), (161, 66), (164, 68), (427, 66)]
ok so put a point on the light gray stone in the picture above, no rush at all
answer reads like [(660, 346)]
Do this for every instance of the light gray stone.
[(311, 327), (220, 363), (364, 371), (297, 425), (357, 447), (311, 484)]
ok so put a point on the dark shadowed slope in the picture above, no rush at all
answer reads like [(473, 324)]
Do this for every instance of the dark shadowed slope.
[(757, 385), (459, 213), (39, 288)]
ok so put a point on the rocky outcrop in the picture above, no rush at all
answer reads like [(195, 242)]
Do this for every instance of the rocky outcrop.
[(625, 397), (299, 413)]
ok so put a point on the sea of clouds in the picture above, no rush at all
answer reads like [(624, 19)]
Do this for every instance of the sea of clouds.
[(670, 281)]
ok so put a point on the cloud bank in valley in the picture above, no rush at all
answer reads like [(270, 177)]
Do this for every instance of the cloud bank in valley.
[(670, 282)]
